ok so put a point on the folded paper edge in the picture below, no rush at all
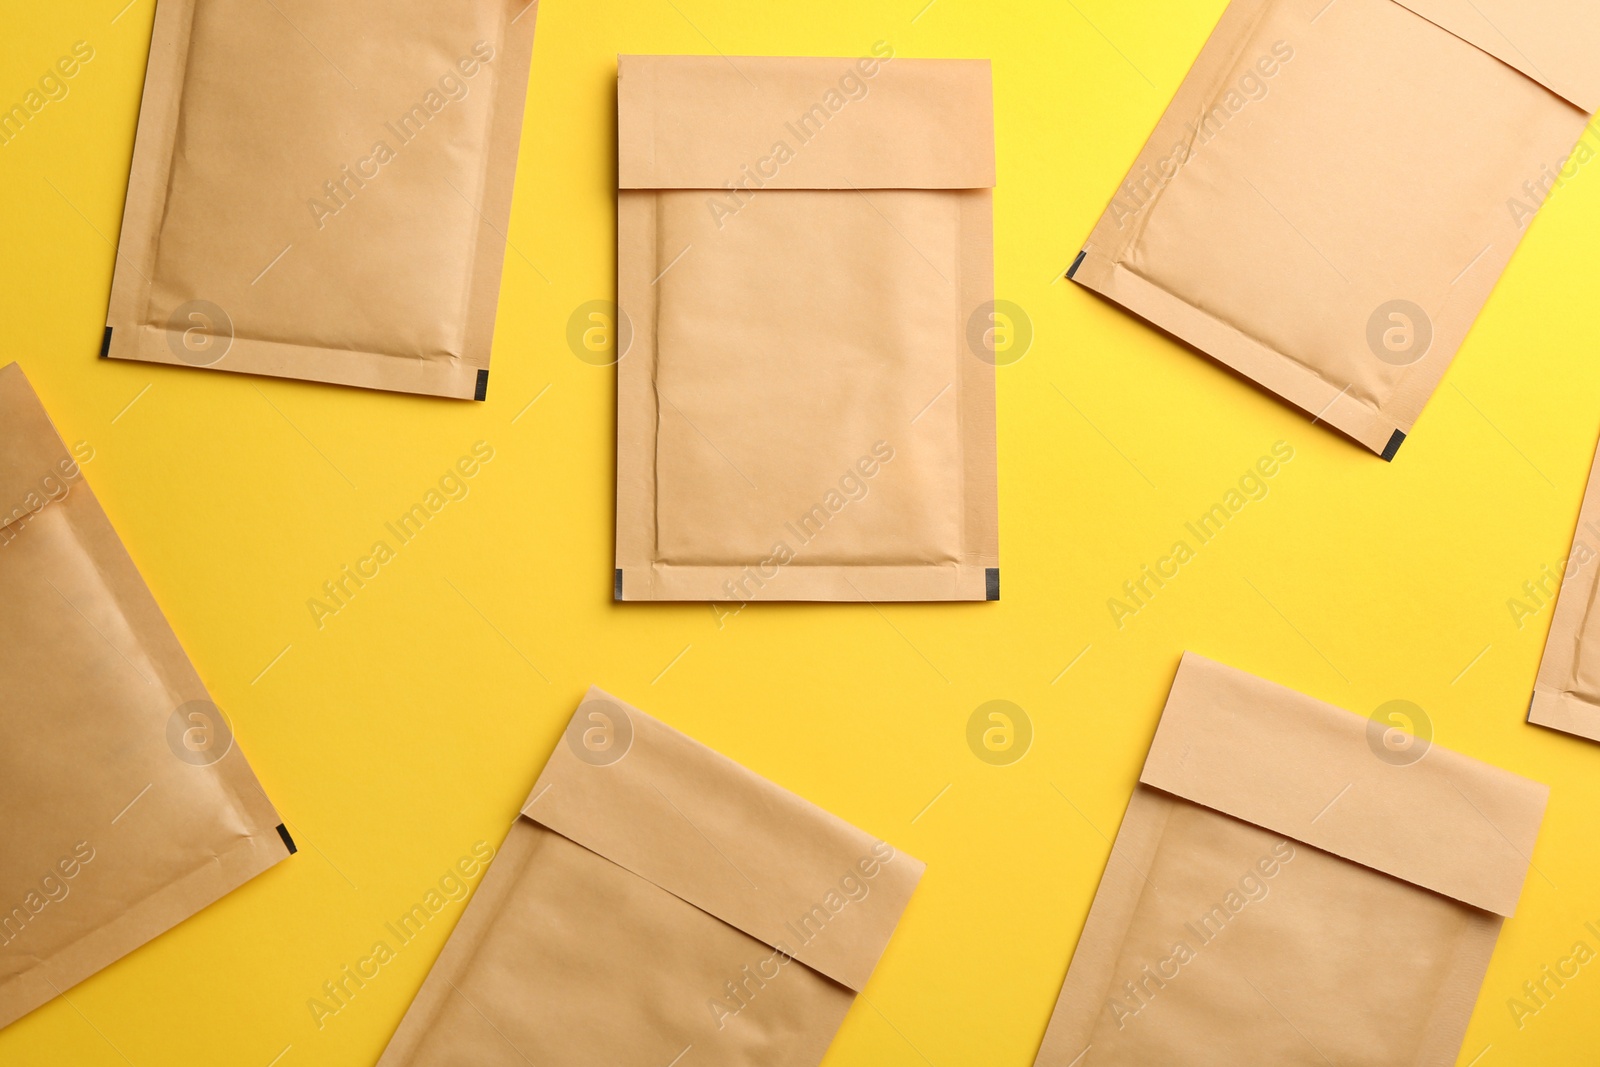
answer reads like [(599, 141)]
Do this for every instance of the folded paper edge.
[(452, 379), (1264, 367), (1526, 67), (1165, 770), (712, 765), (639, 168), (831, 584), (1565, 713)]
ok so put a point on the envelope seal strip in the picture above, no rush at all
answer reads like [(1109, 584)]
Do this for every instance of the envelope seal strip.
[(1393, 447), (1273, 757), (705, 829)]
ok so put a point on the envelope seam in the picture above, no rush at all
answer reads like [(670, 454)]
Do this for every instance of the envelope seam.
[(1536, 79), (1298, 363), (685, 900)]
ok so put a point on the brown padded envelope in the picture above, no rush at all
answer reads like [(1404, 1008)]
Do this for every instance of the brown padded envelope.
[(1566, 694), (1377, 167), (249, 108), (628, 894), (565, 959), (1365, 944), (92, 674), (775, 347)]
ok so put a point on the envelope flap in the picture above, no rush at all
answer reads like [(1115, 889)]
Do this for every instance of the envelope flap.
[(1316, 773), (738, 125), (34, 463), (729, 842), (1554, 42)]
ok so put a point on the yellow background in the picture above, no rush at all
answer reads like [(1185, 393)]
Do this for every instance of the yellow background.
[(413, 724)]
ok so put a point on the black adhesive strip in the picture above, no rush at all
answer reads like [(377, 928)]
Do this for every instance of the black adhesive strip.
[(1075, 264), (288, 842), (991, 584), (1394, 446), (482, 390), (1531, 698), (105, 344), (616, 592)]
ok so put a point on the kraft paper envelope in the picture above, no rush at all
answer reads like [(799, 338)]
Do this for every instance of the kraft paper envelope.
[(322, 191), (1293, 886), (1566, 695), (806, 279), (1336, 188), (656, 898), (126, 805)]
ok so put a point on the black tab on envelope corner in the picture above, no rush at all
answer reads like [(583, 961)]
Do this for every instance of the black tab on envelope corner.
[(616, 591), (1393, 446), (288, 842), (482, 389), (105, 344), (991, 584), (1076, 264)]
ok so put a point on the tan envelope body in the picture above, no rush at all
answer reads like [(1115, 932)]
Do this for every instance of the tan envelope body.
[(255, 112), (1566, 695), (1378, 164), (92, 675), (1367, 942), (789, 337), (626, 899)]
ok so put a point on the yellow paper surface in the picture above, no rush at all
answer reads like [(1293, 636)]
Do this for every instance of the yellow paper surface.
[(408, 728)]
